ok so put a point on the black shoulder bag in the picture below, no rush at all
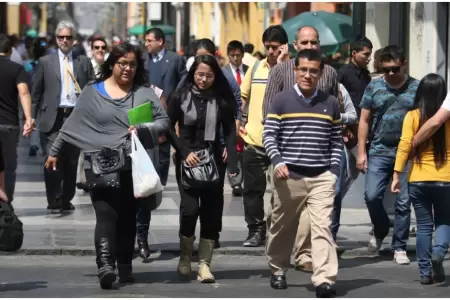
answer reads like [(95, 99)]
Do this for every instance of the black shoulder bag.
[(204, 175), (106, 165)]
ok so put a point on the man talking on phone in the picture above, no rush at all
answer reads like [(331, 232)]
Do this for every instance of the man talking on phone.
[(255, 160), (281, 78)]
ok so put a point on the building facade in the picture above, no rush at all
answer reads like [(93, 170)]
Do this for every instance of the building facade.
[(421, 28)]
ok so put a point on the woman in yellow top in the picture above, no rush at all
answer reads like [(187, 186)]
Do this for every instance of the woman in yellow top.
[(429, 178)]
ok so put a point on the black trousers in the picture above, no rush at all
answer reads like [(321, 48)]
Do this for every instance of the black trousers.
[(115, 210), (62, 182), (256, 164), (204, 203)]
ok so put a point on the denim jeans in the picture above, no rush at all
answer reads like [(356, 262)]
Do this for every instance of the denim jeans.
[(379, 173), (337, 205), (431, 201)]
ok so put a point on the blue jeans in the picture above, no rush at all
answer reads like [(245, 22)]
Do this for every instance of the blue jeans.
[(337, 205), (427, 197), (379, 173)]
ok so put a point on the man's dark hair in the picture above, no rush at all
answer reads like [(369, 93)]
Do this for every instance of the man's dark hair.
[(392, 53), (158, 33), (5, 43), (311, 55), (249, 48), (275, 33), (235, 45), (206, 44), (98, 38), (359, 44)]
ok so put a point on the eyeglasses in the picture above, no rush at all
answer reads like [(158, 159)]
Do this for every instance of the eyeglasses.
[(100, 47), (394, 70), (312, 72), (65, 37), (204, 75), (125, 64)]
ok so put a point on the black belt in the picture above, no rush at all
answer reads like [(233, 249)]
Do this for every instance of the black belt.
[(65, 110)]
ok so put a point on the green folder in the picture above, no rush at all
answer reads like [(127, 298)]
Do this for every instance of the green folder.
[(141, 114)]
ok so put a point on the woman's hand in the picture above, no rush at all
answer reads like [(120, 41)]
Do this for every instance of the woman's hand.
[(132, 129), (192, 159), (51, 163), (395, 186)]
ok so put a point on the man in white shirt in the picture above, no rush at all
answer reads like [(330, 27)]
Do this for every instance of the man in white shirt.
[(99, 49), (434, 123), (235, 53), (249, 59), (58, 81)]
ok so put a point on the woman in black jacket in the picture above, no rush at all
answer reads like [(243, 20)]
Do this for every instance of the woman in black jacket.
[(200, 106)]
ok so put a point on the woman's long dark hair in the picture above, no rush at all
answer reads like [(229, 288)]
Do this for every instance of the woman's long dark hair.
[(220, 88), (106, 69), (430, 94)]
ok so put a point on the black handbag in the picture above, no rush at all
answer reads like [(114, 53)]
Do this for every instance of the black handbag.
[(105, 168), (204, 175), (11, 229)]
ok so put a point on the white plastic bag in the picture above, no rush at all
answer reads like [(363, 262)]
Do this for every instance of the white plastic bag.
[(145, 178)]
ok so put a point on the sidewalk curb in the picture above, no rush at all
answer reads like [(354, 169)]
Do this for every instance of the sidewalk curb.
[(342, 252)]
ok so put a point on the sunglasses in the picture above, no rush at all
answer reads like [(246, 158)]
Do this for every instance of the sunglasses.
[(100, 47), (65, 37), (394, 70)]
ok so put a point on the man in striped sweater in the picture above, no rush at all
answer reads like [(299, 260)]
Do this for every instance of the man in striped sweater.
[(282, 78), (302, 137)]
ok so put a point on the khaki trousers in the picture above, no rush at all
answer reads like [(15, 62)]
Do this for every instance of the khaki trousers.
[(293, 199)]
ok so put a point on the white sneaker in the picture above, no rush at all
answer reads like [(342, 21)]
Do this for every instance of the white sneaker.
[(401, 258), (374, 245)]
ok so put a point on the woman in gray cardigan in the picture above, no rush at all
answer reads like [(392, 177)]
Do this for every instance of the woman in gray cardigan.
[(99, 125)]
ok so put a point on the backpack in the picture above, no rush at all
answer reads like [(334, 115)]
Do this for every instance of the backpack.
[(11, 229)]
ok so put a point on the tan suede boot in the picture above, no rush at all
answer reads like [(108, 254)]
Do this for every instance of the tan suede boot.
[(205, 253), (184, 265)]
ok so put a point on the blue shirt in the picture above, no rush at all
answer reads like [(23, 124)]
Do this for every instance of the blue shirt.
[(100, 87), (389, 129)]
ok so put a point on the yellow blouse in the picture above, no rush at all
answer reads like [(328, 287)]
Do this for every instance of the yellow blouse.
[(426, 170)]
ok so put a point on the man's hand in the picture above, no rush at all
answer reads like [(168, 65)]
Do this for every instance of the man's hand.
[(282, 172), (28, 127), (361, 162), (284, 53), (3, 197), (132, 129), (225, 155)]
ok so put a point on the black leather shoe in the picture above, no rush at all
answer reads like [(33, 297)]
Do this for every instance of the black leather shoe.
[(278, 282), (68, 206), (325, 290), (237, 190), (33, 150), (144, 250), (125, 273), (255, 239)]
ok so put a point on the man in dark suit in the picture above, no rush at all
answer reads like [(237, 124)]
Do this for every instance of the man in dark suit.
[(165, 70), (235, 53), (59, 79), (237, 70)]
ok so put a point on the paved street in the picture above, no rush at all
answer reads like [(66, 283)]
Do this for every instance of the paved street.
[(46, 233), (237, 276)]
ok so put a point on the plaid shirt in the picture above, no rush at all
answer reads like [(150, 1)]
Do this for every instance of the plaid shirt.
[(282, 77)]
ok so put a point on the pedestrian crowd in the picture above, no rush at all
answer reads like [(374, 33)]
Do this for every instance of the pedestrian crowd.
[(294, 123)]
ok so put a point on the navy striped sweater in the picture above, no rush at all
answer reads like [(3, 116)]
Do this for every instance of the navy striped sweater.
[(305, 136)]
